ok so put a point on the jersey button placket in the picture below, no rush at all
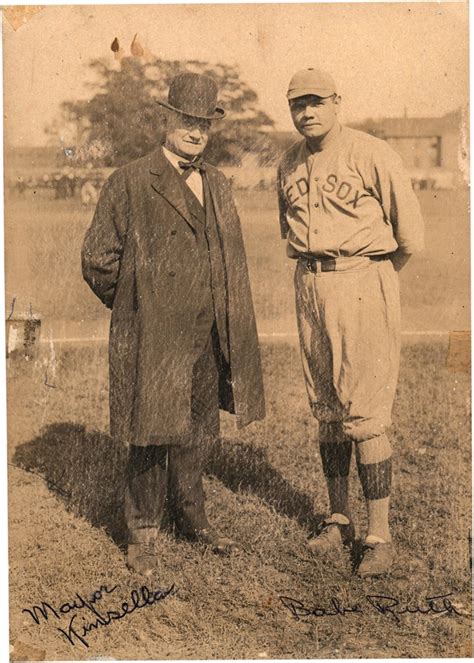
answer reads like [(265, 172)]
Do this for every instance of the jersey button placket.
[(314, 202), (314, 205)]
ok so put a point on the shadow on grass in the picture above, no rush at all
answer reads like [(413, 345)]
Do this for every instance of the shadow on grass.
[(244, 467), (87, 471)]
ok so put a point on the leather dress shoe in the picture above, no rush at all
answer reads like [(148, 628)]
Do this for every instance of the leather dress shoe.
[(219, 544), (141, 558)]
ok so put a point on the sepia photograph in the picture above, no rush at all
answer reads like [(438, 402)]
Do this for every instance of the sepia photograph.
[(237, 331)]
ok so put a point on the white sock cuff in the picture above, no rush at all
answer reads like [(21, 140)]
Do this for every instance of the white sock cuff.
[(338, 518), (373, 538)]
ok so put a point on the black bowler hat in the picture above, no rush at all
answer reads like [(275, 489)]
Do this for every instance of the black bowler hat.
[(194, 95)]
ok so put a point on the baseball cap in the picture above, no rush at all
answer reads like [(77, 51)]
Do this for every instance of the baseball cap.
[(311, 81)]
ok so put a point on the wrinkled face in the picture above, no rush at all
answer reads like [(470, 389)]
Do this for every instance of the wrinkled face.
[(314, 116), (186, 136)]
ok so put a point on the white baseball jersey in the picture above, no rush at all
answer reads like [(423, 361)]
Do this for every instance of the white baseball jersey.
[(354, 198)]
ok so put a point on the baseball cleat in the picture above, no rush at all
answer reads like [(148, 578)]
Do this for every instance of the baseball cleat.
[(333, 535), (377, 560)]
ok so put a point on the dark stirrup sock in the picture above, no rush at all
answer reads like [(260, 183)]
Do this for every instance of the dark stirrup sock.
[(336, 458), (376, 479), (374, 464), (336, 451)]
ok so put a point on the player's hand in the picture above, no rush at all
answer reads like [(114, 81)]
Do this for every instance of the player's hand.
[(399, 260)]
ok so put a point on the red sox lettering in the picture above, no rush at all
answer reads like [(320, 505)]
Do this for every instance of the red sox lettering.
[(343, 190), (301, 185)]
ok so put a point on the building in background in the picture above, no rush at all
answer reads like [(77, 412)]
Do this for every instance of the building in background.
[(431, 147)]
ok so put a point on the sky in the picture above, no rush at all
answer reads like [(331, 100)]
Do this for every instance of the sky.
[(387, 59)]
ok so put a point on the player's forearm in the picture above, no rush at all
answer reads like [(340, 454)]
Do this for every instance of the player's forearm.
[(400, 203), (408, 223)]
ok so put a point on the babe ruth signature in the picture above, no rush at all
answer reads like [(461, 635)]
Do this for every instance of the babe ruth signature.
[(77, 632), (380, 603)]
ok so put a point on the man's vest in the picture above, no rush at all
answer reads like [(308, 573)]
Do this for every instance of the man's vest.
[(210, 248)]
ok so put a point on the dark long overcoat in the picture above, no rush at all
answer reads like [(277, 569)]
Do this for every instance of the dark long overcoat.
[(140, 258)]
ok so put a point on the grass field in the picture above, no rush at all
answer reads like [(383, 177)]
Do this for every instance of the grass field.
[(43, 242), (265, 488), (264, 485)]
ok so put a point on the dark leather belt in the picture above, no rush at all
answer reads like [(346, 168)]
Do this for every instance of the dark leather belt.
[(315, 265), (319, 265)]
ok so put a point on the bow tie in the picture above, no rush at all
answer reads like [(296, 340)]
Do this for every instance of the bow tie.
[(189, 166)]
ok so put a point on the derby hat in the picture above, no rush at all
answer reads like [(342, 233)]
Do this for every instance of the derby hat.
[(194, 95)]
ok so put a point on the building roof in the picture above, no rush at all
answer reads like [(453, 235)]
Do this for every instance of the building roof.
[(400, 127)]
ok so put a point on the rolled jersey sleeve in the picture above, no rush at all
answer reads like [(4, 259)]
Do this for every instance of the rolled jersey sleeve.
[(398, 200), (282, 207), (103, 242)]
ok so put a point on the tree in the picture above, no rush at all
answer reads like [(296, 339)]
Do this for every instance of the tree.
[(121, 121)]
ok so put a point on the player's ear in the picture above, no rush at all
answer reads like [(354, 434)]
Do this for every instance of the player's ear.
[(337, 102)]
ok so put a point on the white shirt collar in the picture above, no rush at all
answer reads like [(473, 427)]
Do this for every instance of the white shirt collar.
[(173, 158), (194, 181)]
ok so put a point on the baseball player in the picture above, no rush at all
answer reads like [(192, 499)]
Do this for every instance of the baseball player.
[(351, 221)]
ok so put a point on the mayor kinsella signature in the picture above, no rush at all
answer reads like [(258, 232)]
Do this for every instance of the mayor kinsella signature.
[(382, 604), (77, 632)]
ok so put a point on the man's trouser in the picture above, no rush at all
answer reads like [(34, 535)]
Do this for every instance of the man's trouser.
[(349, 329), (171, 475)]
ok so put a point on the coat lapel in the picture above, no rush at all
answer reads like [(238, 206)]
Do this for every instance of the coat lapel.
[(165, 181), (213, 188)]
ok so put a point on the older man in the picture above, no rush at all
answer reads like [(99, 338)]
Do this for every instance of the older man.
[(165, 253), (351, 221)]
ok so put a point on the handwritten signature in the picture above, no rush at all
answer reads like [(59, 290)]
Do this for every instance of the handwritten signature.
[(74, 633), (384, 605)]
